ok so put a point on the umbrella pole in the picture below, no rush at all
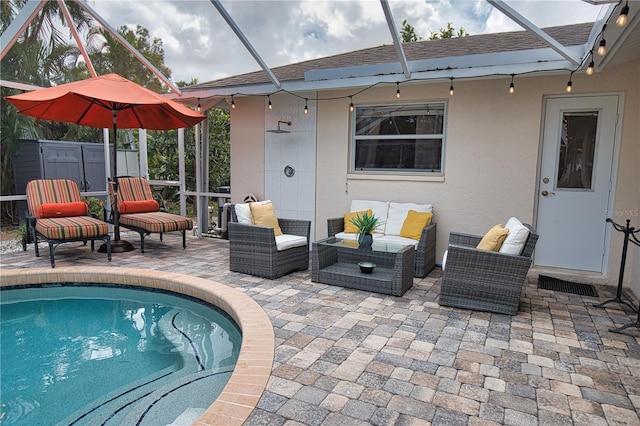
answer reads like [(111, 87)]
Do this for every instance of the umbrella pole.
[(117, 245)]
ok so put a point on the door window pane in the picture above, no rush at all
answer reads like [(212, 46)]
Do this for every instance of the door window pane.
[(577, 150)]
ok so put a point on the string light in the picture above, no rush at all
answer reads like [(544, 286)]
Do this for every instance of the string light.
[(397, 90), (512, 87), (451, 87), (602, 48), (591, 65), (306, 108), (350, 104), (198, 108), (233, 103), (570, 83), (622, 19), (270, 105)]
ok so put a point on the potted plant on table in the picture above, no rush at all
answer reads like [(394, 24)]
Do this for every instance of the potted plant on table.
[(366, 224)]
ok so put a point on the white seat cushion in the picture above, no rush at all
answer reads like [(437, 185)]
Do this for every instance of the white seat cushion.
[(398, 213), (444, 258), (354, 237), (287, 241), (516, 239), (380, 210), (395, 239)]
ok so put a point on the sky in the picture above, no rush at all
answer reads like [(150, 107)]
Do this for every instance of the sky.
[(198, 43)]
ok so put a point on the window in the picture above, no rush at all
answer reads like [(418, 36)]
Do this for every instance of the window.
[(398, 138)]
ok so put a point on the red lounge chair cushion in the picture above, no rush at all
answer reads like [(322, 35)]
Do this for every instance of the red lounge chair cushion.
[(143, 206), (63, 209)]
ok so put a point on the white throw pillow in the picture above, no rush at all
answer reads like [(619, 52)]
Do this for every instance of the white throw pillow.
[(243, 212), (444, 259), (398, 213), (516, 239), (379, 208)]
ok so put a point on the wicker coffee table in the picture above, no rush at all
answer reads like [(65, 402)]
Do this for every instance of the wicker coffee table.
[(335, 262)]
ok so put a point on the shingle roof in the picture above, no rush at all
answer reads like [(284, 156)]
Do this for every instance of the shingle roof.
[(569, 35)]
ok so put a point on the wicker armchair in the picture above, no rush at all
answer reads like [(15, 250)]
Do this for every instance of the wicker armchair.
[(253, 250), (484, 280), (425, 251)]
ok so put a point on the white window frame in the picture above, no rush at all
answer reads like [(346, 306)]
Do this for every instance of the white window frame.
[(402, 109)]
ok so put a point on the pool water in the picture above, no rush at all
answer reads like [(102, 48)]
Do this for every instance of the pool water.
[(75, 354)]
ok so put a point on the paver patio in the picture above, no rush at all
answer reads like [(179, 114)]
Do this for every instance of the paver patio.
[(348, 357)]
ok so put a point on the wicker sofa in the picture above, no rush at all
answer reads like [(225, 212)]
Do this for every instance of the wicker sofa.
[(57, 214), (255, 250), (484, 280), (392, 215)]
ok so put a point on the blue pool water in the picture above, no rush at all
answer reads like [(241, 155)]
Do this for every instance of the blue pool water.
[(78, 354)]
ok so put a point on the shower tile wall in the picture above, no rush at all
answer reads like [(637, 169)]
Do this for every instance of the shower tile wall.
[(293, 197)]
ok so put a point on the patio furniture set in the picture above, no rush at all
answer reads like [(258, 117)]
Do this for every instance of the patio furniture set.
[(474, 278), (264, 245)]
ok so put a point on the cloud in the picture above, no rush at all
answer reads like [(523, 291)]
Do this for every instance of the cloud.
[(199, 43)]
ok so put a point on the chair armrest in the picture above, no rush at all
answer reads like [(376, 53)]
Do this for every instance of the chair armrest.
[(298, 227), (251, 237), (335, 225), (476, 261), (466, 240)]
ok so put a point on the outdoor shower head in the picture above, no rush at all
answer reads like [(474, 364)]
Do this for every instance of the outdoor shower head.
[(279, 130)]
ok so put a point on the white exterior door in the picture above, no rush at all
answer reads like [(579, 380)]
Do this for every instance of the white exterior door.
[(576, 182)]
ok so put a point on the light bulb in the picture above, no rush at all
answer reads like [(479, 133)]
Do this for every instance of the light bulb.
[(622, 19), (306, 108), (602, 48), (512, 87), (198, 107), (451, 87), (350, 104), (270, 105), (590, 68), (397, 90), (569, 86)]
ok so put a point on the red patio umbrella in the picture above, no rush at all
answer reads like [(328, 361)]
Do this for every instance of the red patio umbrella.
[(106, 101)]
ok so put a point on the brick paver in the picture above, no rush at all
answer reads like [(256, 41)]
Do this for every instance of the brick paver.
[(352, 357)]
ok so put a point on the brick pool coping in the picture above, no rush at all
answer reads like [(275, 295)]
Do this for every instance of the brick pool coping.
[(253, 368)]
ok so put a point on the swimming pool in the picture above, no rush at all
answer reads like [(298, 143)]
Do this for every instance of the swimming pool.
[(114, 355), (249, 379)]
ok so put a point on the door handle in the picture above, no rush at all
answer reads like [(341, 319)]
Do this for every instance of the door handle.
[(545, 193), (87, 185)]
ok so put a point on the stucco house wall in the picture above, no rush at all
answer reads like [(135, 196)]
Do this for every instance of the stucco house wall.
[(491, 154)]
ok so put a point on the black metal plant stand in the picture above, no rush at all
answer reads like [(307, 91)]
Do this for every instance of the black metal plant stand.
[(629, 236)]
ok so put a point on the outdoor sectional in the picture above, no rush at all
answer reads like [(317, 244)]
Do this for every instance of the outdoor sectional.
[(392, 216)]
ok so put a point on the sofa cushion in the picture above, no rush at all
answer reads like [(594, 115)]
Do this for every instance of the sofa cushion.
[(395, 239), (493, 239), (264, 215), (516, 239), (348, 236), (414, 224), (380, 210), (444, 259), (287, 241), (398, 213), (349, 227), (77, 208)]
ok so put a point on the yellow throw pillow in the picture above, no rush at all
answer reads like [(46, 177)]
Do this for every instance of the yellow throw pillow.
[(414, 224), (493, 239), (264, 215), (349, 227)]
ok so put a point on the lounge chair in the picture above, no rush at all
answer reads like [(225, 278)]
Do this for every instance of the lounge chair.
[(255, 249), (57, 214), (140, 212), (485, 280)]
